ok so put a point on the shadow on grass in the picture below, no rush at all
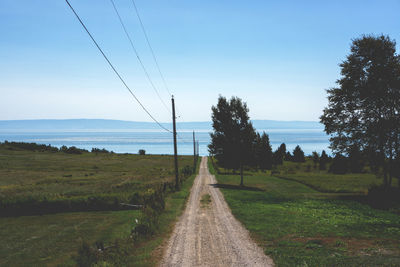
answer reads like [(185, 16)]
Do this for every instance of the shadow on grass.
[(236, 187)]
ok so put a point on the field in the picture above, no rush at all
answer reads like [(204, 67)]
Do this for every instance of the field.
[(35, 182), (52, 177), (298, 225)]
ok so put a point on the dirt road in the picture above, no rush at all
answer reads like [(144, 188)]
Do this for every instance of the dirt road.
[(207, 234)]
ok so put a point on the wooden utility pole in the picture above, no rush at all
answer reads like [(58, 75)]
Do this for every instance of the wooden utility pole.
[(177, 186), (194, 153)]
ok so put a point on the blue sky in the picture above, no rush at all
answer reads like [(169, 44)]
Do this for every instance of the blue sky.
[(278, 56)]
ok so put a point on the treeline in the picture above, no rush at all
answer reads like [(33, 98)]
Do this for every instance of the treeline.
[(48, 148), (235, 144)]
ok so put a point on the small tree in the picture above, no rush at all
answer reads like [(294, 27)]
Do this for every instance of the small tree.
[(263, 152), (323, 160), (298, 155), (288, 156), (315, 158), (279, 154), (142, 152)]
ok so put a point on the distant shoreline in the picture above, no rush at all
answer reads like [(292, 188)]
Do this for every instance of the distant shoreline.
[(103, 124)]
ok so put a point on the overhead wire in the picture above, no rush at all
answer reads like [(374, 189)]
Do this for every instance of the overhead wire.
[(137, 54), (151, 48), (114, 69), (154, 55)]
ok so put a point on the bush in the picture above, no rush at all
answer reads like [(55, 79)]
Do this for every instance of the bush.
[(339, 165), (142, 152), (97, 150), (72, 150), (87, 255), (382, 197)]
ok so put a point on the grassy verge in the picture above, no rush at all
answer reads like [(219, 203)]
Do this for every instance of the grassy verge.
[(52, 239), (149, 252), (299, 226)]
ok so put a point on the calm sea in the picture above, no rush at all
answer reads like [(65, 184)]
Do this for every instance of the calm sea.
[(157, 142)]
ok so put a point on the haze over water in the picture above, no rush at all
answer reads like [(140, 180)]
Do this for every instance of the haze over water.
[(129, 139)]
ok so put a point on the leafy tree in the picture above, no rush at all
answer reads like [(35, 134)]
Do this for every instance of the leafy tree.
[(142, 152), (315, 158), (232, 141), (263, 152), (323, 160), (298, 155), (364, 110)]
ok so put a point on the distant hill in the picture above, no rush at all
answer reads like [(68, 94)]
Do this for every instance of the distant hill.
[(100, 124)]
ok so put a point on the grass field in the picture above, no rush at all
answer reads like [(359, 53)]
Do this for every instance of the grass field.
[(52, 181), (33, 173), (300, 226), (328, 182), (53, 239)]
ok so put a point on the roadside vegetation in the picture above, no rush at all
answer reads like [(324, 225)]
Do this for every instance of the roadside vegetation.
[(298, 225), (319, 210), (62, 186)]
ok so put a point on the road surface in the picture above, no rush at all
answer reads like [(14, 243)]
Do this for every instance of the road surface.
[(207, 234)]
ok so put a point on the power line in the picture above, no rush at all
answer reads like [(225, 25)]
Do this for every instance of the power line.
[(113, 68), (137, 54), (151, 48), (154, 55)]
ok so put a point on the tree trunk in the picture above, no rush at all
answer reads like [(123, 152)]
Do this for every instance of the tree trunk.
[(241, 174), (385, 175)]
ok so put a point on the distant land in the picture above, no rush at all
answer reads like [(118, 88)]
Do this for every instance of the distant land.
[(102, 124)]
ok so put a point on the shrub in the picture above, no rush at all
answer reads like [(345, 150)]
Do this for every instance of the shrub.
[(142, 152), (339, 165), (97, 150)]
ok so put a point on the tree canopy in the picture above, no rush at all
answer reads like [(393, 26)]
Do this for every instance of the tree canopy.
[(364, 110), (233, 138)]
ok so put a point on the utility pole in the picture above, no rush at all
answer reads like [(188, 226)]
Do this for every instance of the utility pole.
[(177, 186), (194, 153)]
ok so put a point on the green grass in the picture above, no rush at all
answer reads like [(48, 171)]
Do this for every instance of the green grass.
[(299, 226), (205, 200), (34, 183), (328, 182), (53, 239), (56, 173)]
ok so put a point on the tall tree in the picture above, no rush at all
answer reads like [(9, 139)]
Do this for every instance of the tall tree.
[(263, 152), (232, 140), (364, 110)]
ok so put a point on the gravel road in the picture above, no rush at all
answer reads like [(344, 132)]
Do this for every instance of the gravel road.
[(207, 234)]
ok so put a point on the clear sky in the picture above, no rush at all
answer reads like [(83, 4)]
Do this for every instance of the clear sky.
[(278, 56)]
